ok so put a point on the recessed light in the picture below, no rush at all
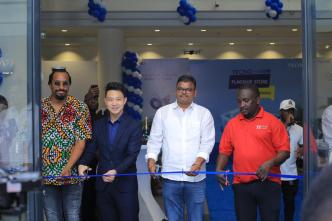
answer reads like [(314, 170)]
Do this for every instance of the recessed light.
[(190, 44), (64, 30), (203, 30), (294, 29), (149, 44), (67, 44), (249, 29), (231, 43), (157, 30), (327, 46), (272, 43)]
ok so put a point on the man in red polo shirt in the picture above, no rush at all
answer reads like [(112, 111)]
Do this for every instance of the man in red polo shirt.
[(259, 143)]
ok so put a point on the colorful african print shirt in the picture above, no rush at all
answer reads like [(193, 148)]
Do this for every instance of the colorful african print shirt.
[(59, 134)]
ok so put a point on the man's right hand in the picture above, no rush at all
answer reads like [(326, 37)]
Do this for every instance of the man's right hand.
[(152, 166), (222, 180), (83, 170)]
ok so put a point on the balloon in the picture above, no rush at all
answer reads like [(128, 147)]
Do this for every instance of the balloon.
[(268, 2), (273, 13)]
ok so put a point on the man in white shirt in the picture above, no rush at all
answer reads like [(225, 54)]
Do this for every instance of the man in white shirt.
[(185, 133), (289, 186), (327, 125)]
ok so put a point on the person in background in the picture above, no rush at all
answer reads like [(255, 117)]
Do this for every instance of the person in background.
[(327, 125), (259, 143), (89, 204), (117, 139), (289, 186), (185, 133), (66, 125)]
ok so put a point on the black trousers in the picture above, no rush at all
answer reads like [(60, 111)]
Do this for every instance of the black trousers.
[(289, 191), (117, 206), (264, 195)]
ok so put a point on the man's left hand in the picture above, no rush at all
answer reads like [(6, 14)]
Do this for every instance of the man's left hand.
[(111, 176), (263, 170), (66, 171), (195, 167)]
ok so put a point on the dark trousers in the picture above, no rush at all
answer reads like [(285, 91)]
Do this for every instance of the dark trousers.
[(89, 205), (289, 191), (117, 206), (262, 194)]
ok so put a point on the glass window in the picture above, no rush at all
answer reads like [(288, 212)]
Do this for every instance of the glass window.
[(19, 104)]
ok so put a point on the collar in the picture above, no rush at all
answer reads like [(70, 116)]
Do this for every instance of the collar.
[(119, 120), (176, 106), (260, 114)]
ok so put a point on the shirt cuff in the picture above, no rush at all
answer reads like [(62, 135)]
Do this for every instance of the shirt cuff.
[(151, 155), (205, 156)]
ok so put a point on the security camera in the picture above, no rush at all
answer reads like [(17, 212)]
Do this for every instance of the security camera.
[(216, 4)]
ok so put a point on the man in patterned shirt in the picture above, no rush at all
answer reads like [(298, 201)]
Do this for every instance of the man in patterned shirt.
[(66, 124)]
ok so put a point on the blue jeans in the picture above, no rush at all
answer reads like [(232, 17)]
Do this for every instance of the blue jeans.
[(62, 202), (178, 195)]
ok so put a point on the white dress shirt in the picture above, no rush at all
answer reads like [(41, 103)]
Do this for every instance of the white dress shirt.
[(296, 138), (183, 136), (327, 125)]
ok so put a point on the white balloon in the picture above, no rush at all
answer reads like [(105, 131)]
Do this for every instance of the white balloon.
[(138, 91), (131, 88), (136, 107), (128, 71), (267, 9), (273, 13), (140, 111), (140, 76), (135, 73), (130, 104), (184, 19)]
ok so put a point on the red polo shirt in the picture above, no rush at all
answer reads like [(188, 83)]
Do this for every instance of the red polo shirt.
[(253, 142)]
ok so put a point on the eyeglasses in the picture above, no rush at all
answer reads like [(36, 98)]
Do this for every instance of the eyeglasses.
[(185, 90), (64, 83)]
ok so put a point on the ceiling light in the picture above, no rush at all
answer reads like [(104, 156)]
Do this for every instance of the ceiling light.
[(67, 44), (272, 43), (157, 30), (294, 29), (327, 46), (248, 29), (231, 43), (203, 30), (64, 30), (190, 44), (149, 44)]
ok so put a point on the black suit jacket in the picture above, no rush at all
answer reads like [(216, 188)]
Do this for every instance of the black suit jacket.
[(121, 155)]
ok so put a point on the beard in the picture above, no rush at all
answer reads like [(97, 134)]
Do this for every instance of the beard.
[(60, 97)]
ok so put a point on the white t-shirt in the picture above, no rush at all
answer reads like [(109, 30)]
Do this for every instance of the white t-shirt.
[(296, 138)]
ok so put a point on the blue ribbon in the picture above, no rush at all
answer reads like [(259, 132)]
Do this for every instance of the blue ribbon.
[(175, 172)]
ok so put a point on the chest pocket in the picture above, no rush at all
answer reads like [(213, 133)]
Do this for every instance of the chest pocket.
[(194, 129)]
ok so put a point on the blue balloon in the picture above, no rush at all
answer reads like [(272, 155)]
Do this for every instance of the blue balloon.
[(268, 2), (1, 78), (274, 6), (183, 3), (280, 4), (279, 10)]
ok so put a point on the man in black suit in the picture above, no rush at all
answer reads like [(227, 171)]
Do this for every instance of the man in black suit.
[(117, 139)]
